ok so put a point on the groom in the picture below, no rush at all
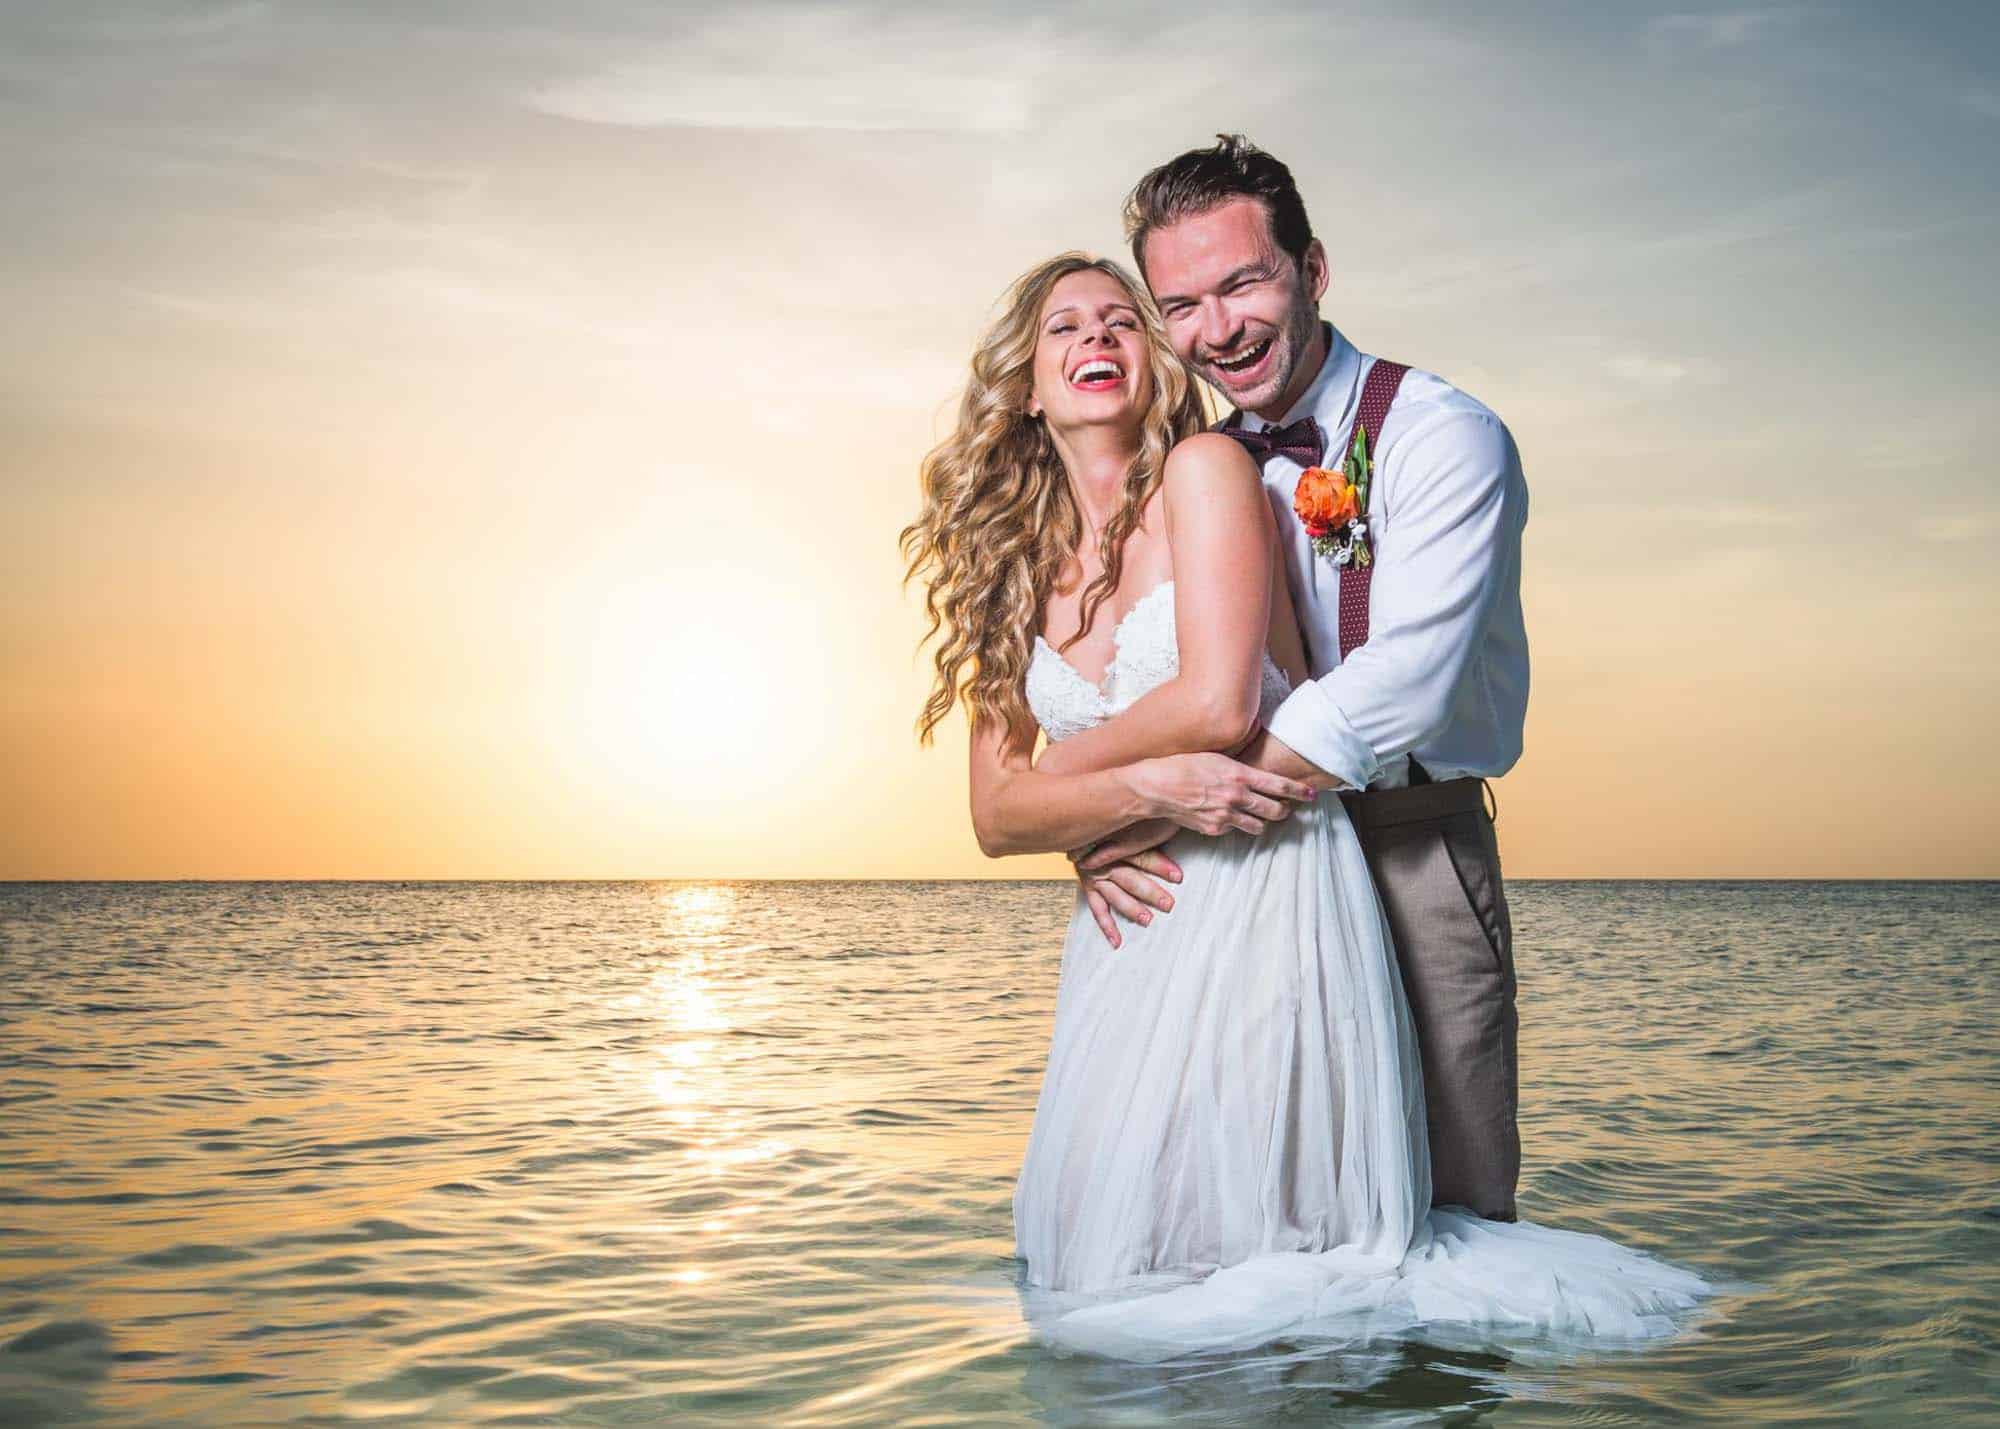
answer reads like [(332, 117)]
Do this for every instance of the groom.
[(1419, 657)]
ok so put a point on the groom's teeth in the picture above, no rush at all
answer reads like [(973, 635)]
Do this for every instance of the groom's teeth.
[(1247, 358)]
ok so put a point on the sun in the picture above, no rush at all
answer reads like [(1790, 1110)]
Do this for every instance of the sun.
[(690, 693)]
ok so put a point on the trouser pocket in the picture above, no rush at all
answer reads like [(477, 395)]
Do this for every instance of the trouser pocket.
[(1475, 857)]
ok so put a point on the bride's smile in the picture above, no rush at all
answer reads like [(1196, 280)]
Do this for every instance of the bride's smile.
[(1090, 365), (1097, 374)]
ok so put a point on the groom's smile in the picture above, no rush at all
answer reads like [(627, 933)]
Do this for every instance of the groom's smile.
[(1243, 365)]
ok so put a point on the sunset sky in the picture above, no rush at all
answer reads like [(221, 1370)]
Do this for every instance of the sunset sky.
[(468, 439)]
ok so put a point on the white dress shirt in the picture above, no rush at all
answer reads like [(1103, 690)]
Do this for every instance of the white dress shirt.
[(1444, 672)]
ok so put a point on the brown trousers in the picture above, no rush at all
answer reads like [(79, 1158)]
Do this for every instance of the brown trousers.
[(1437, 870)]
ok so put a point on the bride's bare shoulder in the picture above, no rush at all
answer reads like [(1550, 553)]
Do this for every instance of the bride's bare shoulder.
[(1210, 476), (1215, 494), (1210, 456)]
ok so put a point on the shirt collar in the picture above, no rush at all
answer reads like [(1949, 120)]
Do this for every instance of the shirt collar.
[(1331, 398)]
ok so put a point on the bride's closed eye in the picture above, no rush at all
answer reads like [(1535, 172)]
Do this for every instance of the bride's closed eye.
[(1062, 327)]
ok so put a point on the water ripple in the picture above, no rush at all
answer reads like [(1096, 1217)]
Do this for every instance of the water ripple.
[(642, 1152)]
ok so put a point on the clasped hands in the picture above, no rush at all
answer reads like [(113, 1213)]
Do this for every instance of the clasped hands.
[(1125, 875)]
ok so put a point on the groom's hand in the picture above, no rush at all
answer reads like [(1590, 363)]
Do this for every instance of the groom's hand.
[(1125, 889), (1121, 875), (1128, 845)]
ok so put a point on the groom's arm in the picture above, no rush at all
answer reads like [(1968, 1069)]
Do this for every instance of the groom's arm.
[(1457, 501), (1267, 752)]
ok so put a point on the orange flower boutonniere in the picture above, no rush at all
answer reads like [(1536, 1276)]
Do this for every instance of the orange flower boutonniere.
[(1333, 506)]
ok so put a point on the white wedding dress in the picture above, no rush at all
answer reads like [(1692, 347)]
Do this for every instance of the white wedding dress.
[(1230, 1146)]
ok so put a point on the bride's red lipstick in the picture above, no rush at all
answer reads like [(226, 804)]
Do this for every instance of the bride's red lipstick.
[(1098, 374)]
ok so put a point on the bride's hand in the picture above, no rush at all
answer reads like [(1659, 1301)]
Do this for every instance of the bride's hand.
[(1213, 794)]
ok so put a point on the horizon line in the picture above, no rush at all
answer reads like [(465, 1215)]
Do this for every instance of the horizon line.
[(1045, 878)]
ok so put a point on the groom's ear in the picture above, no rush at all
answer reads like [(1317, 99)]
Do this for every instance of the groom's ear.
[(1313, 269)]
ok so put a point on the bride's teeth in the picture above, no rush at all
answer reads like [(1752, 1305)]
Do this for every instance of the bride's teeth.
[(1091, 370)]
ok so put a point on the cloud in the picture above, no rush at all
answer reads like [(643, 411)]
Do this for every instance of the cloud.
[(1659, 373), (1720, 30), (1751, 517), (1956, 529), (828, 69), (197, 23), (1746, 517), (1939, 437), (987, 71)]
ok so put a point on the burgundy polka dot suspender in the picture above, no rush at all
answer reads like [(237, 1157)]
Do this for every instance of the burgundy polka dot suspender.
[(1376, 394)]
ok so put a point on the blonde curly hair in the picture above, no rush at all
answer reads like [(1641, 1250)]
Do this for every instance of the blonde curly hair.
[(999, 520)]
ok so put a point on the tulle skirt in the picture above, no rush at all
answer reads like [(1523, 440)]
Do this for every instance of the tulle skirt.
[(1230, 1144)]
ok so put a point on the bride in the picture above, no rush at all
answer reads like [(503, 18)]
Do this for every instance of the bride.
[(1230, 1141)]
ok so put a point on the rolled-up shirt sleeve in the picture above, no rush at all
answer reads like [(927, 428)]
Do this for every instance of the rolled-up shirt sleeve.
[(1449, 515)]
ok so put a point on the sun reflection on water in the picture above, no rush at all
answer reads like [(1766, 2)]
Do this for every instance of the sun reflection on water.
[(682, 996), (721, 1157), (703, 909), (703, 1078)]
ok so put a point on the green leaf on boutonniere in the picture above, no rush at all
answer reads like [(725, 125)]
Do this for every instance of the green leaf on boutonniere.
[(1357, 466)]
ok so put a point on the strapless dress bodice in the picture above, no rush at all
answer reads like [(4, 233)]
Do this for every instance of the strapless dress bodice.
[(1145, 655)]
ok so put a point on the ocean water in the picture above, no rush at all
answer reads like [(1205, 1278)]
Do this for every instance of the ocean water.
[(640, 1153)]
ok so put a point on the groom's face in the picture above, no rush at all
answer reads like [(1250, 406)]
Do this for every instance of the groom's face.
[(1238, 309)]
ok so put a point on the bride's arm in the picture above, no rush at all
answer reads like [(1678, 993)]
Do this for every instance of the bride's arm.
[(1219, 526), (1018, 807)]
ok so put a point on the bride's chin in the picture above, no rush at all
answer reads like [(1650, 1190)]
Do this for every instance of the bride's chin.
[(1129, 418), (1125, 421)]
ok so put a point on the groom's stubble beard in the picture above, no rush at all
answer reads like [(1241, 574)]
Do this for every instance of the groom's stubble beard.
[(1300, 364), (1297, 364)]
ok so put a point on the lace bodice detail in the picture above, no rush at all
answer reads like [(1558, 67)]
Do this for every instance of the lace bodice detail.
[(1145, 654)]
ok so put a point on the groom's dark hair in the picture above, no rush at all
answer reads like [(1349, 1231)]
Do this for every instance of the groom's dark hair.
[(1200, 179)]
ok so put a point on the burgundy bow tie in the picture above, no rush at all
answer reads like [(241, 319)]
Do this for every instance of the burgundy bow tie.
[(1302, 441)]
